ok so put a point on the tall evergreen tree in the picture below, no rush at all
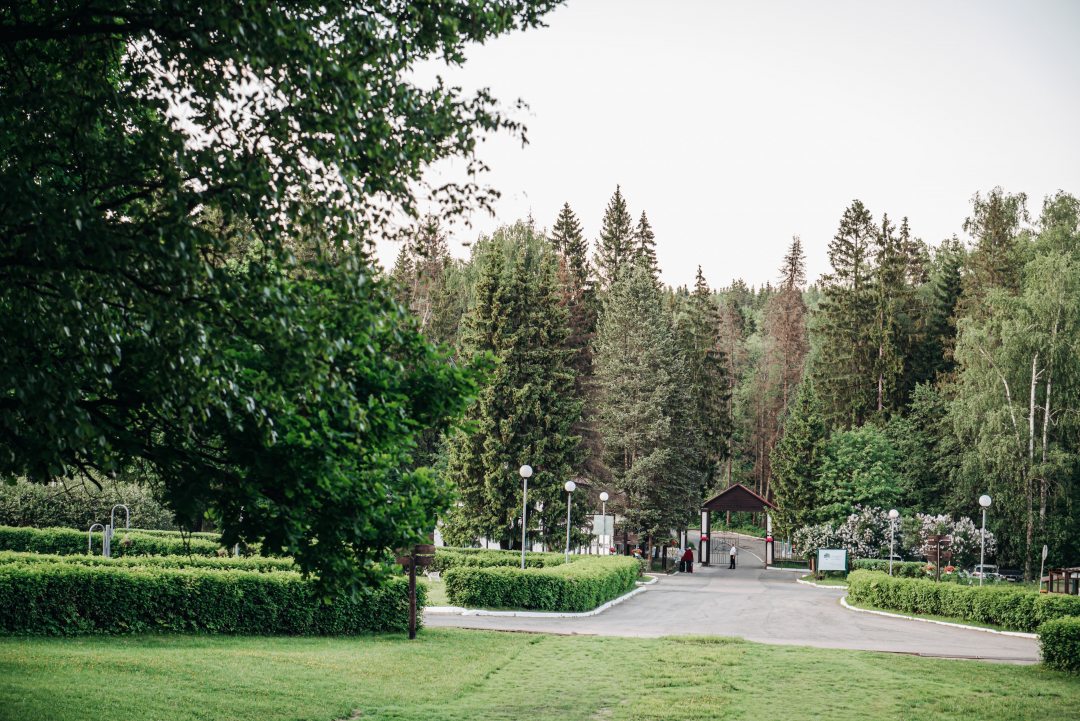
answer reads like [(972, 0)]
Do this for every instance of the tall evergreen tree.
[(566, 235), (891, 329), (843, 367), (796, 461), (645, 246), (527, 411), (793, 270), (639, 372), (999, 254), (616, 247)]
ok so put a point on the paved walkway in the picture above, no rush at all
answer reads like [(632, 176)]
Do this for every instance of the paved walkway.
[(765, 606)]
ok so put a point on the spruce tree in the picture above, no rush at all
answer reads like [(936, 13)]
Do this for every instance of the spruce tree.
[(709, 385), (998, 258), (890, 307), (639, 373), (844, 365), (616, 247), (566, 233), (796, 461), (527, 411), (793, 270), (645, 246)]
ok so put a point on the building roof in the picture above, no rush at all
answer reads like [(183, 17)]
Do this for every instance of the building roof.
[(737, 497)]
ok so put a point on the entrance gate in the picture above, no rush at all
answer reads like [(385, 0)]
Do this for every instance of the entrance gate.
[(735, 497)]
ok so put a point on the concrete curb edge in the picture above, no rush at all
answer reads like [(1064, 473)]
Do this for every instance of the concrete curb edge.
[(818, 585), (1018, 634), (459, 611)]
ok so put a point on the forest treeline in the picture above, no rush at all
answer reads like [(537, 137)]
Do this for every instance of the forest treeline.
[(911, 375)]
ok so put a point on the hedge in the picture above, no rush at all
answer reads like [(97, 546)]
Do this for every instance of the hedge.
[(67, 541), (447, 558), (1060, 643), (76, 504), (903, 569), (581, 585), (64, 599), (1014, 608), (251, 563)]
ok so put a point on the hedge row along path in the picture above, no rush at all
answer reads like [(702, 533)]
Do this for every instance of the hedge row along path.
[(768, 607)]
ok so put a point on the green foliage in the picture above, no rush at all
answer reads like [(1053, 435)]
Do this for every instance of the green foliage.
[(189, 194), (230, 563), (447, 558), (796, 461), (901, 569), (581, 585), (1013, 608), (68, 541), (615, 251), (858, 468), (65, 599), (1059, 641), (527, 411), (79, 504), (643, 401)]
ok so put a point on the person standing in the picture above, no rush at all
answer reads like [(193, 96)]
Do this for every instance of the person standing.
[(688, 560), (733, 552)]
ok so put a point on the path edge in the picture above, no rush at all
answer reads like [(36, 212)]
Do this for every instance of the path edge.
[(459, 611), (1017, 634)]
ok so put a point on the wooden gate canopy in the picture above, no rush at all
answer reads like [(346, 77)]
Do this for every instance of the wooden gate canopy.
[(737, 497)]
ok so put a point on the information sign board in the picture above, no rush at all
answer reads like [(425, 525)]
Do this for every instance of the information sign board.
[(831, 559)]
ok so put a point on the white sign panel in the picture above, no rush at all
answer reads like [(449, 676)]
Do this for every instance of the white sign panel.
[(831, 559), (603, 526)]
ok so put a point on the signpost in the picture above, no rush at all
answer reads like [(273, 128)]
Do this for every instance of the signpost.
[(422, 556), (937, 552), (831, 559)]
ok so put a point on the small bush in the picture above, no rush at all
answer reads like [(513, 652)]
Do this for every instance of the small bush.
[(581, 585), (77, 505), (66, 599), (252, 563), (902, 569), (1017, 609), (447, 558), (68, 541), (1059, 641)]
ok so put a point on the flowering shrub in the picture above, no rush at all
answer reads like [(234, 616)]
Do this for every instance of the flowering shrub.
[(964, 533)]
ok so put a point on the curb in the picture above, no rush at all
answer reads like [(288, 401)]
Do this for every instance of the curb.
[(459, 611), (796, 570), (1018, 634), (819, 585), (652, 576)]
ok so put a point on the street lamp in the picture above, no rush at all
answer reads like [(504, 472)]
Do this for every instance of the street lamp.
[(893, 515), (569, 486), (525, 472), (984, 501), (603, 514)]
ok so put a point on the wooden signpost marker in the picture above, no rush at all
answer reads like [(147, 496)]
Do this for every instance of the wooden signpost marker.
[(422, 556)]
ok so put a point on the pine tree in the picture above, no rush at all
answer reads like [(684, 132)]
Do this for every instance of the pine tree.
[(998, 257), (796, 461), (793, 271), (645, 246), (890, 306), (843, 367), (566, 233), (527, 411), (616, 247)]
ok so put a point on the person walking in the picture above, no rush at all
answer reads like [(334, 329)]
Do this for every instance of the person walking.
[(733, 552)]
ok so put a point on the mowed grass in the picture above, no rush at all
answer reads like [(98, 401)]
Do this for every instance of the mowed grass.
[(451, 675)]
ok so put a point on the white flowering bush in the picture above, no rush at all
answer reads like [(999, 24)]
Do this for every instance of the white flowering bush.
[(865, 533), (964, 533), (808, 539)]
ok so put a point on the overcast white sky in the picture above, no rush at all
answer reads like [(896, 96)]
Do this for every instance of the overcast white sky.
[(737, 125)]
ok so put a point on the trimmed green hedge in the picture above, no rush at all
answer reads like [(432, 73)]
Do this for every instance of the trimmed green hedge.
[(68, 541), (1060, 643), (581, 585), (65, 599), (903, 569), (1014, 608), (447, 558), (251, 563), (75, 504)]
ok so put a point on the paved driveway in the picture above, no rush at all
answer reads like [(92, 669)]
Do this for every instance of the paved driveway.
[(765, 606)]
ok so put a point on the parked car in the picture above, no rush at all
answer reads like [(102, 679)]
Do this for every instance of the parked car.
[(985, 570), (1014, 575)]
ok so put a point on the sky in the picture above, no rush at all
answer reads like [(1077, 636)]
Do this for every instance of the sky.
[(735, 125)]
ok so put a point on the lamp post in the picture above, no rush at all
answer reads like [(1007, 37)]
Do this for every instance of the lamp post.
[(525, 472), (603, 514), (984, 501), (893, 515), (569, 486)]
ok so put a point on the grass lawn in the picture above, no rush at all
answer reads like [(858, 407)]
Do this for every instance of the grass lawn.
[(463, 675), (436, 592)]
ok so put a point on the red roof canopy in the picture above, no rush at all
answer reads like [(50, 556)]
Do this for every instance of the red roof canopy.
[(736, 497)]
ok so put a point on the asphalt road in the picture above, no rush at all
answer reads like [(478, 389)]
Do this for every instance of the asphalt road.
[(765, 606)]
